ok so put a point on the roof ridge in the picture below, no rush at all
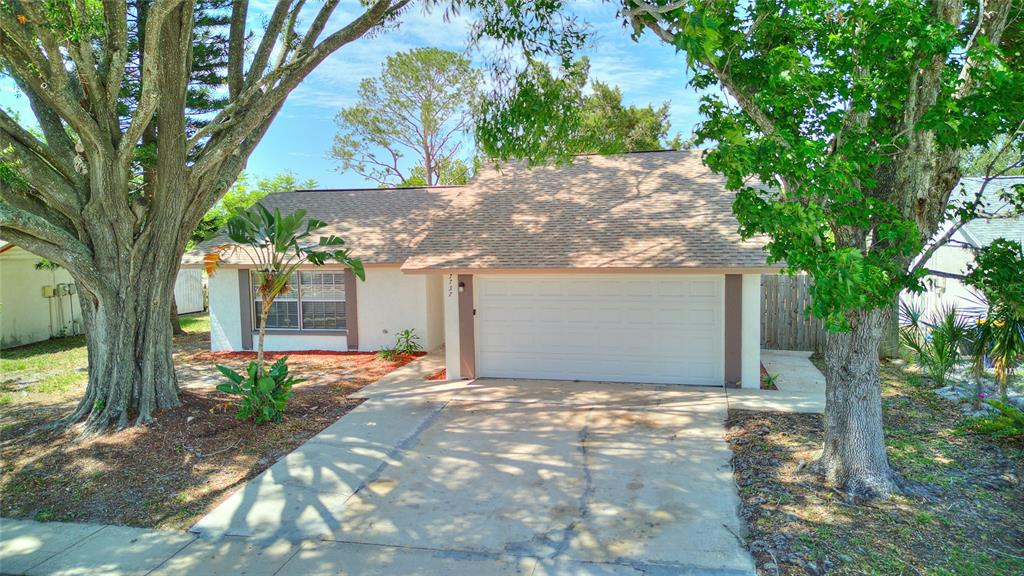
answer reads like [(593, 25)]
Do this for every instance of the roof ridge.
[(391, 189)]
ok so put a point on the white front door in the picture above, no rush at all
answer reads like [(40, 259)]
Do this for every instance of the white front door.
[(656, 328)]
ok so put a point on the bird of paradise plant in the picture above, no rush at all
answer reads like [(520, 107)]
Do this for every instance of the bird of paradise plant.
[(277, 245)]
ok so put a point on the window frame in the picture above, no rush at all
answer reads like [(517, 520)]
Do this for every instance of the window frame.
[(296, 296)]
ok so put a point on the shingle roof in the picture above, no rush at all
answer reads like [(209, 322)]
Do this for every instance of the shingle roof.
[(381, 226), (984, 231), (641, 210)]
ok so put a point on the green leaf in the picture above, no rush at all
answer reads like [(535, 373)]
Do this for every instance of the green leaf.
[(266, 384), (252, 370), (230, 374), (229, 388)]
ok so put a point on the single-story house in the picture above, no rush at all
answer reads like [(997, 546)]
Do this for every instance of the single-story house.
[(620, 268), (41, 302), (955, 257)]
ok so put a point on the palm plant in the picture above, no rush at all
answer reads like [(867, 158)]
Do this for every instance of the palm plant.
[(936, 341), (277, 245), (1006, 344)]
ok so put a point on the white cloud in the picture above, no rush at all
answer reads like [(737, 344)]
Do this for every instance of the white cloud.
[(320, 97)]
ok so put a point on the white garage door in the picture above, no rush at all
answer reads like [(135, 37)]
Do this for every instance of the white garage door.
[(638, 328)]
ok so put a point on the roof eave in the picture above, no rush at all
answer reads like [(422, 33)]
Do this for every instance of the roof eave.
[(766, 269)]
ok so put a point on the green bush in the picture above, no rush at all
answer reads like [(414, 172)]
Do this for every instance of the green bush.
[(936, 343), (264, 397), (1007, 423), (408, 342)]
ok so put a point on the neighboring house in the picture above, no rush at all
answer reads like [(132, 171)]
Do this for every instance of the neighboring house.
[(37, 303), (619, 268), (955, 257)]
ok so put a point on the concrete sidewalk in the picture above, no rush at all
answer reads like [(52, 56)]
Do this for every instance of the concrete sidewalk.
[(58, 548), (801, 386)]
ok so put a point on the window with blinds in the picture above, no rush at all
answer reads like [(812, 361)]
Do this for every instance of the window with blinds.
[(315, 301)]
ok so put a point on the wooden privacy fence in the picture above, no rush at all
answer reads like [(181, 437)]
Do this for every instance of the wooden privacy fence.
[(784, 326)]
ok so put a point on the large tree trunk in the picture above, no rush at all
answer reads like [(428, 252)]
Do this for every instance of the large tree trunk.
[(131, 369), (853, 456), (126, 296), (890, 347)]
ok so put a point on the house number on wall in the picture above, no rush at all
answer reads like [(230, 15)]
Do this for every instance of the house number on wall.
[(451, 285)]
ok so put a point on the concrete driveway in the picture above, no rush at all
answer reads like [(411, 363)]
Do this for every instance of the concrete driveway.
[(504, 477)]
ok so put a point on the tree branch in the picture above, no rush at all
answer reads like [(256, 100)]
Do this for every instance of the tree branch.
[(149, 94), (266, 45), (252, 110), (317, 27), (81, 53), (30, 224), (115, 55), (30, 66), (943, 274), (236, 46), (16, 134)]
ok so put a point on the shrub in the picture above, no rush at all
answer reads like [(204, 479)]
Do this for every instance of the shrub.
[(936, 342), (1008, 422), (265, 397), (408, 342)]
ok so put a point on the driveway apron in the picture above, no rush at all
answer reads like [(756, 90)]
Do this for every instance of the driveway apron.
[(533, 477)]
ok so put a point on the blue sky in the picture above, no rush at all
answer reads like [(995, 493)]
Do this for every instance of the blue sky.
[(647, 71)]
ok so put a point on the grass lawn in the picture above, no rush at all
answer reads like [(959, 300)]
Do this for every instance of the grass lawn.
[(195, 323), (167, 474), (51, 366), (971, 520)]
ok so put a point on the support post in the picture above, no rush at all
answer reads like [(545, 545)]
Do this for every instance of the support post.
[(750, 366), (452, 354)]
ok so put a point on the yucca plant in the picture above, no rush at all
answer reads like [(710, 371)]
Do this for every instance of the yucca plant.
[(936, 341), (277, 245)]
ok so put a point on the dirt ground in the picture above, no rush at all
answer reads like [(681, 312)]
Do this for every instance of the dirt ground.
[(969, 519), (167, 474)]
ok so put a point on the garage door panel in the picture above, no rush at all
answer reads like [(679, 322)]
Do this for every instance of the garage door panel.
[(703, 318), (663, 329)]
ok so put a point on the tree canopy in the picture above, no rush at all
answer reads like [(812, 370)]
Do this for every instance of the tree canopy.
[(420, 106), (610, 127), (842, 128), (549, 114), (242, 195)]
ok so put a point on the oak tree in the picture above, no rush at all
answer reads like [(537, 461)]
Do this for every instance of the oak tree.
[(842, 127)]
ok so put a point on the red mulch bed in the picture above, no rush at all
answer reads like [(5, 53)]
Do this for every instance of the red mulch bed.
[(172, 472), (439, 376)]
